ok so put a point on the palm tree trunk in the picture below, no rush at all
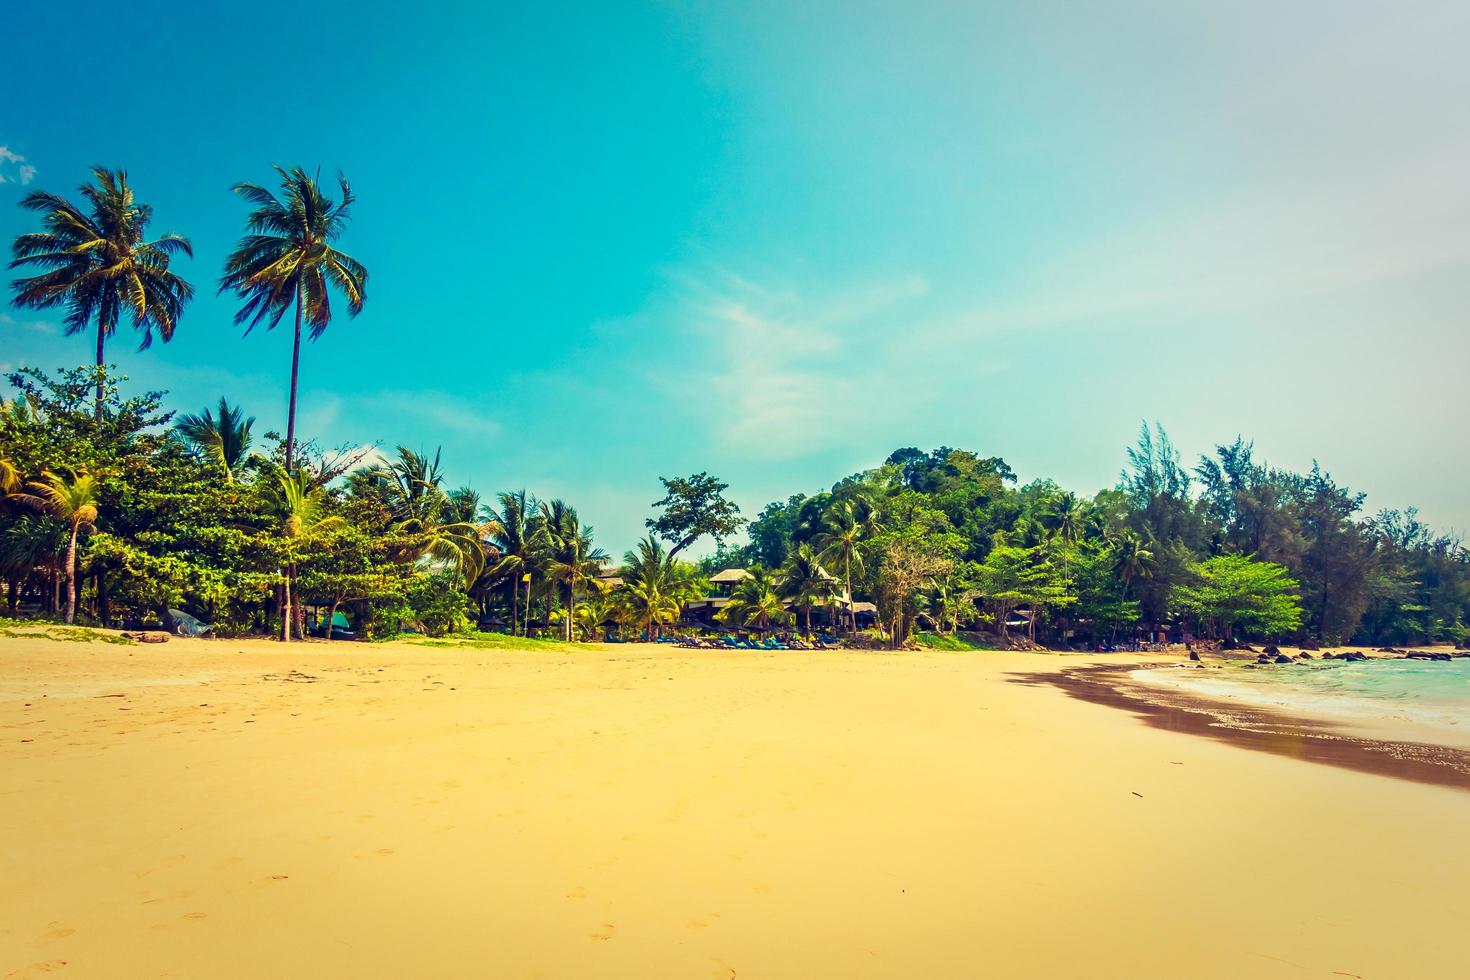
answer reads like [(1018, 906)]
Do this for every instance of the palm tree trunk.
[(71, 576), (515, 606), (851, 613), (571, 608), (527, 621), (286, 609), (331, 620), (295, 369), (101, 366)]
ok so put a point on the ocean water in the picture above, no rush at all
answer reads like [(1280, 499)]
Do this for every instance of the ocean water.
[(1422, 694)]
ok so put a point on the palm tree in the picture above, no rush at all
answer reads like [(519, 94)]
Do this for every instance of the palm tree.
[(1065, 517), (513, 530), (571, 557), (1132, 558), (225, 440), (98, 265), (655, 587), (287, 258), (9, 477), (427, 517), (848, 522), (72, 500), (594, 611), (755, 601), (299, 505), (805, 581)]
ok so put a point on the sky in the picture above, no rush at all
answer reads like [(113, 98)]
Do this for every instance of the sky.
[(774, 241)]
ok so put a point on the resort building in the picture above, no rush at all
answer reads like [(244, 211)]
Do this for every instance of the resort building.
[(701, 612)]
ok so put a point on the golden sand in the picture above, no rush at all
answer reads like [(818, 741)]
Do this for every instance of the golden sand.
[(212, 809)]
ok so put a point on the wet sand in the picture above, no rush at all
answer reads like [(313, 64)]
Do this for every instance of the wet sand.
[(236, 809), (1261, 729)]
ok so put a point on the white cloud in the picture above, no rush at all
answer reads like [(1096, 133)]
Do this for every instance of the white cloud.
[(36, 326), (14, 168), (776, 372)]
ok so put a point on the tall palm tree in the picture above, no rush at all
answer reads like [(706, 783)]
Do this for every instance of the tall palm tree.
[(72, 500), (848, 522), (805, 581), (513, 530), (298, 504), (98, 265), (572, 559), (224, 440), (287, 258)]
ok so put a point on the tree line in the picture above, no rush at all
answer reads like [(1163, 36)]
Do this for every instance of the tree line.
[(116, 509)]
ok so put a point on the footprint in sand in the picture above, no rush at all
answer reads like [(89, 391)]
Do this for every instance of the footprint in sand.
[(57, 931), (196, 915), (578, 892), (603, 932)]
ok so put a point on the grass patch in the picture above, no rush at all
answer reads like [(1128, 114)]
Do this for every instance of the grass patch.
[(58, 631), (958, 643), (498, 641)]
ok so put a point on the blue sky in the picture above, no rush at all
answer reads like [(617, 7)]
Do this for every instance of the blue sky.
[(776, 241)]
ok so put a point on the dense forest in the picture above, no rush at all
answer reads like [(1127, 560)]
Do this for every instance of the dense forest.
[(115, 510)]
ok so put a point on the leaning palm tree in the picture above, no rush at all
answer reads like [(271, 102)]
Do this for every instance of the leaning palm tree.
[(287, 258), (72, 500), (99, 267), (224, 440)]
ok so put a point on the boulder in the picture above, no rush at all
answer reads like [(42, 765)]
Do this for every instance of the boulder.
[(147, 636), (1304, 655), (1282, 658), (1194, 655), (1271, 648), (1441, 656)]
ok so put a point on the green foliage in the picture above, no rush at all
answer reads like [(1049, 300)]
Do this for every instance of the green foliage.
[(1235, 592), (694, 507)]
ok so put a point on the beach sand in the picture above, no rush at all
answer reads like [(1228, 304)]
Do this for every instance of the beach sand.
[(206, 809)]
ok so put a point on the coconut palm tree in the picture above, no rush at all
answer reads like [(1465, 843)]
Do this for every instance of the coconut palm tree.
[(655, 587), (298, 505), (514, 532), (99, 267), (805, 582), (595, 610), (848, 522), (288, 258), (1132, 558), (71, 500), (755, 601), (224, 440), (426, 517), (571, 558)]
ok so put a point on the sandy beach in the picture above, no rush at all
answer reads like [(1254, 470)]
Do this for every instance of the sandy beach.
[(241, 809)]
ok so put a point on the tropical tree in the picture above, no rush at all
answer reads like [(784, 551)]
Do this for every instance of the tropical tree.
[(98, 265), (805, 582), (847, 524), (515, 533), (298, 506), (288, 258), (1132, 558), (425, 518), (655, 587), (755, 601), (572, 560), (224, 440), (1230, 592), (693, 507), (72, 500)]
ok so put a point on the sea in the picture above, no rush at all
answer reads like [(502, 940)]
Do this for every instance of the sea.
[(1418, 697)]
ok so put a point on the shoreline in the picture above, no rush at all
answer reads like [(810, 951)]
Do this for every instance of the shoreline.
[(1259, 728)]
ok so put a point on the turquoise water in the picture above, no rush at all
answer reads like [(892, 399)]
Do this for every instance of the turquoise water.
[(1421, 693)]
